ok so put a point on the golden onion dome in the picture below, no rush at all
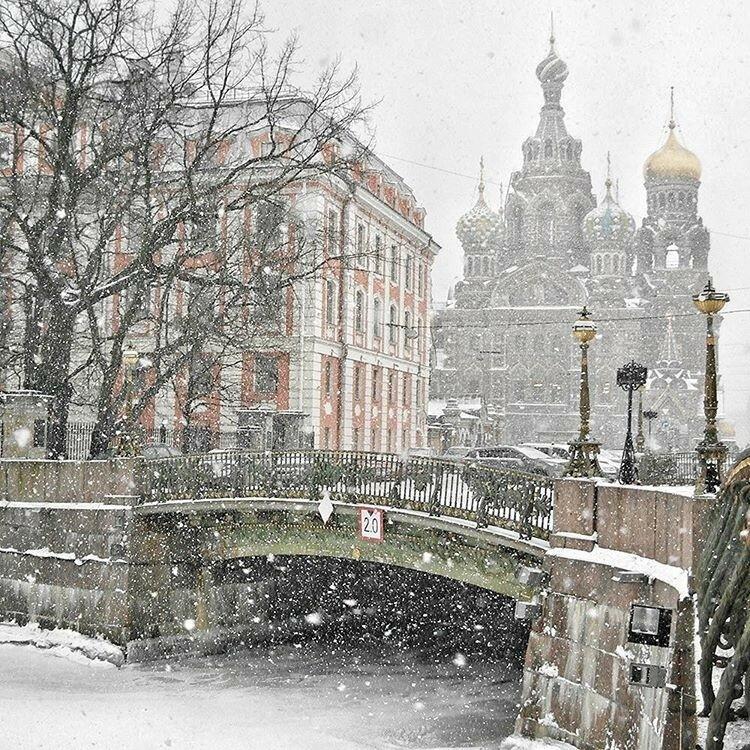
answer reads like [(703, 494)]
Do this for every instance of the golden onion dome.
[(672, 161)]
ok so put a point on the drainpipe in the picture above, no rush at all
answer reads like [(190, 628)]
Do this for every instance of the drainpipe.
[(340, 399)]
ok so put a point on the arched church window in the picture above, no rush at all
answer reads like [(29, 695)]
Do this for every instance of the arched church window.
[(546, 226), (662, 200), (598, 263), (548, 149), (607, 264), (680, 199), (569, 152), (672, 258)]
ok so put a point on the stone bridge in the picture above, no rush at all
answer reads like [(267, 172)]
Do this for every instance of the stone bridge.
[(160, 555)]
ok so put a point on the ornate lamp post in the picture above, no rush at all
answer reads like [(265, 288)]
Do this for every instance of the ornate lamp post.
[(711, 452), (650, 415), (583, 450), (630, 377), (130, 358)]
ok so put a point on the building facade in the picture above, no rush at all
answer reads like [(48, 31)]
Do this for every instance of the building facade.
[(504, 335), (336, 358)]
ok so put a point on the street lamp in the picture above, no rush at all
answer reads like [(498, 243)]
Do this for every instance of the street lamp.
[(583, 450), (711, 452), (650, 415), (130, 359), (630, 377)]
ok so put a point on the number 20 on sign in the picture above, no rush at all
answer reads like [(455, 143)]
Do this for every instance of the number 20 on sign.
[(370, 524)]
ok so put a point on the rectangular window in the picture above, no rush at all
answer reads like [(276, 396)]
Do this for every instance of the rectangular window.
[(266, 374), (375, 382), (330, 313), (357, 383), (420, 279), (361, 259), (201, 375), (405, 393), (332, 232), (379, 259), (418, 395), (393, 325), (408, 281), (391, 387), (394, 264)]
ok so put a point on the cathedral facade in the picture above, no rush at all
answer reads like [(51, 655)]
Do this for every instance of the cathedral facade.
[(505, 334)]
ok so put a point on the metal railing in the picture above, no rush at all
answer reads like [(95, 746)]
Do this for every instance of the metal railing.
[(675, 468), (485, 495)]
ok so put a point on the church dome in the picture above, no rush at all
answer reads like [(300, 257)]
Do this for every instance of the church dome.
[(608, 222), (552, 70), (672, 161), (481, 228)]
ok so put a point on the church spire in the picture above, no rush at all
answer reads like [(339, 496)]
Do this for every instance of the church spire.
[(481, 179)]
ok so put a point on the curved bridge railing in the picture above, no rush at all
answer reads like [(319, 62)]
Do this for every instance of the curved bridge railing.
[(512, 499)]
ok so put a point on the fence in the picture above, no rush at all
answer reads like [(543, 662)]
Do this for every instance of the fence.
[(678, 468), (190, 440), (486, 495)]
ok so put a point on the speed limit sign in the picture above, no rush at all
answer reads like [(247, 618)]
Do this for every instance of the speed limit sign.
[(370, 524)]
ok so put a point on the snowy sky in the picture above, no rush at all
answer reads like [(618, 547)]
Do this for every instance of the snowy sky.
[(455, 80)]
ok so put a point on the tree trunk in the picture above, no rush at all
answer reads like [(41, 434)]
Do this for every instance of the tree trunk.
[(720, 712), (710, 637), (52, 374)]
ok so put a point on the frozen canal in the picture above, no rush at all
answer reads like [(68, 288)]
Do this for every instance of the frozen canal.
[(280, 698)]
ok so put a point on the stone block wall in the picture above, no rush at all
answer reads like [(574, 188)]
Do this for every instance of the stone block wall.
[(577, 685), (65, 531)]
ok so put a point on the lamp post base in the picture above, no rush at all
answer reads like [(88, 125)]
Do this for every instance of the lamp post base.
[(711, 458), (583, 459)]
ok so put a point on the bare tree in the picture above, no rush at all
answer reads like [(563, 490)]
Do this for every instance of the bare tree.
[(132, 177)]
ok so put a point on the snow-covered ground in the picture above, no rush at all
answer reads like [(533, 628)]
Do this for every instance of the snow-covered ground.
[(284, 698)]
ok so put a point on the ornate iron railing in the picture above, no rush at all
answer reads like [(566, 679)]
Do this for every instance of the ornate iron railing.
[(486, 495), (675, 468)]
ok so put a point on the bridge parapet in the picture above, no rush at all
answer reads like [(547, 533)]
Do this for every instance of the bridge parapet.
[(616, 553), (485, 495)]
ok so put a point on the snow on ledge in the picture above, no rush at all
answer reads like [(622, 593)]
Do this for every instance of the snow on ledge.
[(669, 574), (63, 642), (516, 742)]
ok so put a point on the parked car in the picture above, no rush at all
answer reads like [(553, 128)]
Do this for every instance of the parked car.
[(515, 457), (456, 452), (160, 450), (555, 450)]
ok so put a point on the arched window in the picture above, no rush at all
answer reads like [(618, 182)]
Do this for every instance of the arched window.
[(330, 302), (359, 312), (327, 377), (681, 199), (549, 151), (377, 318), (392, 323), (407, 328), (662, 200), (607, 264), (598, 264), (672, 258), (546, 226)]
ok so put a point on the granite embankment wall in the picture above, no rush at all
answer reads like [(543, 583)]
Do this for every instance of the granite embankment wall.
[(614, 547), (65, 531)]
